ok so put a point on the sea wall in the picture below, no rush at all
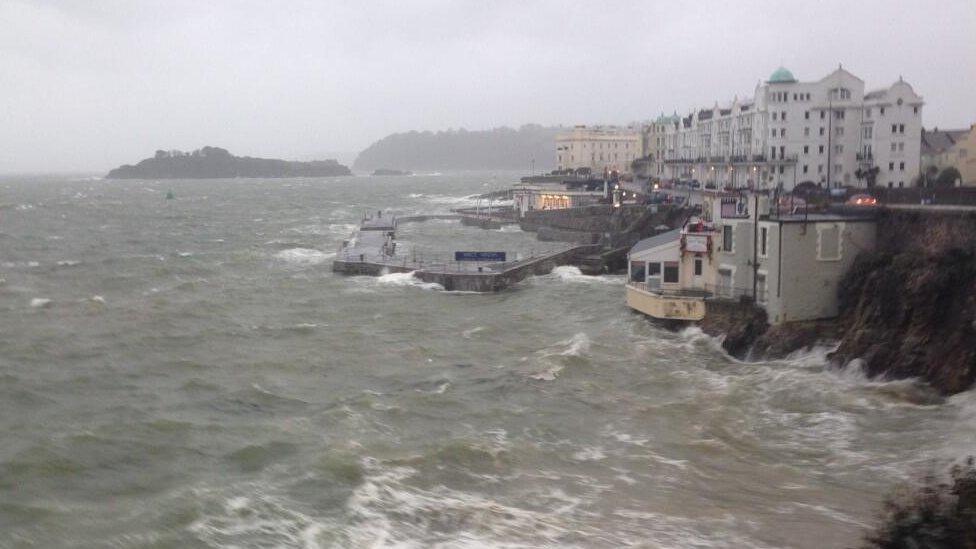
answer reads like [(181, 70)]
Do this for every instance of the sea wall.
[(614, 227), (466, 281)]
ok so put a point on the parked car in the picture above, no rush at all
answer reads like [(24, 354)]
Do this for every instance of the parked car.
[(790, 204), (862, 200), (710, 185)]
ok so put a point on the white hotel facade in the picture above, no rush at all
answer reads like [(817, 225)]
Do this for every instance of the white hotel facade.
[(829, 132), (601, 149)]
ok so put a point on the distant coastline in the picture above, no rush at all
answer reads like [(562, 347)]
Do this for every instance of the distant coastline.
[(530, 146), (217, 163), (387, 171)]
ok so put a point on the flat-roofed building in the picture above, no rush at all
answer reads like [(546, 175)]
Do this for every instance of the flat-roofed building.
[(744, 248)]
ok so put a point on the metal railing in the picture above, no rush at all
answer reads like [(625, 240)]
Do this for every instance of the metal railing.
[(706, 291), (441, 261), (721, 159)]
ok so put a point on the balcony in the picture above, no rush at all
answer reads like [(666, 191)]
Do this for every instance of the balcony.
[(785, 159), (722, 159), (664, 304)]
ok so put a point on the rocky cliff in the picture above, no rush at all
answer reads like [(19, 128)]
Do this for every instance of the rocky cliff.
[(909, 309)]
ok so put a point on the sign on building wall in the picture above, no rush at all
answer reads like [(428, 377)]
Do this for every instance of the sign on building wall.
[(696, 243), (735, 207), (498, 257)]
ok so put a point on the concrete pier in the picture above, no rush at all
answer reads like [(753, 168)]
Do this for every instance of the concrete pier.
[(371, 252), (486, 218)]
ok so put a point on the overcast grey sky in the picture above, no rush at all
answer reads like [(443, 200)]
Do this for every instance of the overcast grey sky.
[(91, 84)]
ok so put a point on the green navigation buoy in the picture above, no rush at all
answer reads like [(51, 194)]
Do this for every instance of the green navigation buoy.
[(170, 195)]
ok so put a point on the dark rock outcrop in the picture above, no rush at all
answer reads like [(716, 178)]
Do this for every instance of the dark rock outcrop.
[(740, 325), (913, 315), (214, 163), (909, 308)]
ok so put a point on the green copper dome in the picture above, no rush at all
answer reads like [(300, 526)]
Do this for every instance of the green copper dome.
[(781, 75)]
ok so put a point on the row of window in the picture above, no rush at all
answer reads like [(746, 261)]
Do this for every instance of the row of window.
[(839, 114), (783, 97), (572, 157), (828, 245), (881, 110), (840, 94), (593, 145), (839, 130), (820, 168)]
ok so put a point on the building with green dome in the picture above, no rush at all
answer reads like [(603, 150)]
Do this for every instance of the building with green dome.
[(830, 132), (781, 76)]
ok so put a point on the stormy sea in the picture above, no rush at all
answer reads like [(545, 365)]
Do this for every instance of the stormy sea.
[(188, 372)]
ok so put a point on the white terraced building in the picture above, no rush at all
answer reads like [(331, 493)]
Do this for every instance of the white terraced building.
[(828, 132), (599, 148)]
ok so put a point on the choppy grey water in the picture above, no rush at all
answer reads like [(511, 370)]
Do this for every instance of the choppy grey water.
[(189, 373)]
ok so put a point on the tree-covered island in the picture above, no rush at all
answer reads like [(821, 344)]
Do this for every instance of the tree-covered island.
[(214, 162)]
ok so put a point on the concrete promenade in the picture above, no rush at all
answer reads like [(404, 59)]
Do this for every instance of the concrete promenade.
[(370, 252)]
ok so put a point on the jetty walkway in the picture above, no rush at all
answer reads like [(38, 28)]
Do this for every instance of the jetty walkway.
[(372, 250)]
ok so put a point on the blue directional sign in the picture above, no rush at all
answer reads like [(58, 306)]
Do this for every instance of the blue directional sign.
[(495, 257)]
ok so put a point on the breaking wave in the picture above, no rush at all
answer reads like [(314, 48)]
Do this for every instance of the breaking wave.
[(555, 358), (469, 200), (407, 279), (387, 510), (569, 273), (303, 256)]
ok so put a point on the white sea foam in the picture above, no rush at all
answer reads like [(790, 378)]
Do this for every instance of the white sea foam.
[(68, 263), (576, 346), (470, 200), (39, 302), (627, 438), (407, 279), (342, 228), (589, 453), (963, 441), (97, 299), (387, 511), (303, 256), (569, 273), (257, 519)]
